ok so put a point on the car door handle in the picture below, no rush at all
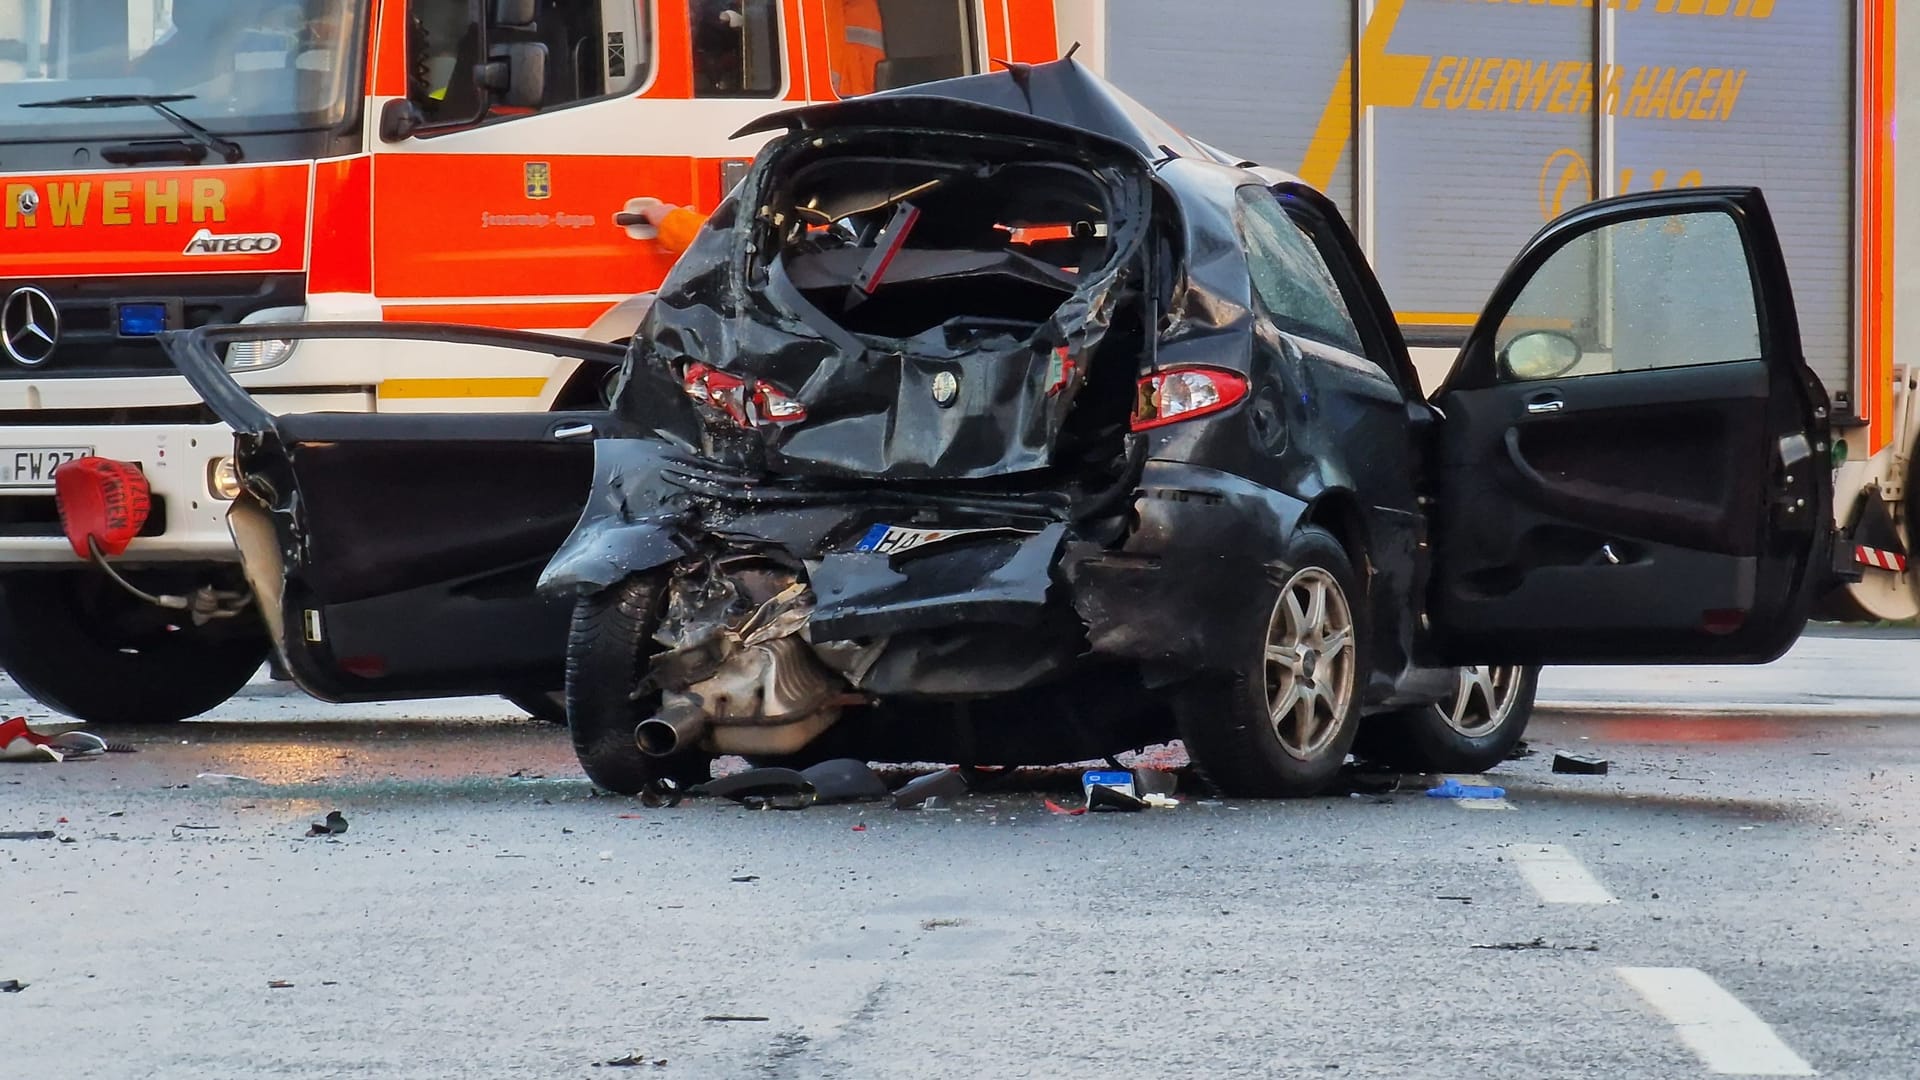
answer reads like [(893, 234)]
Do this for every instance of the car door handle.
[(1543, 406), (573, 431)]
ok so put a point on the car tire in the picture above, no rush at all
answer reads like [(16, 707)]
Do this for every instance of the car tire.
[(607, 652), (80, 646), (1281, 726), (1472, 730), (548, 706)]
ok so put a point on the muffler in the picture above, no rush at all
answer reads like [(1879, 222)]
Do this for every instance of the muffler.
[(679, 726)]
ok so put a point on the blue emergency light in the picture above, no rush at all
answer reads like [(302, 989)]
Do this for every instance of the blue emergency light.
[(142, 320)]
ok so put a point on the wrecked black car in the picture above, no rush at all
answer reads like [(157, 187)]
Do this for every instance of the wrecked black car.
[(994, 421)]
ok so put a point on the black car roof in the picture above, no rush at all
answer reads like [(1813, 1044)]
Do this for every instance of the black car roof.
[(1061, 94)]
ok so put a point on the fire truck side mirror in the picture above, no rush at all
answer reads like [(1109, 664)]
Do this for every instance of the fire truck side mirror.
[(515, 75), (399, 119)]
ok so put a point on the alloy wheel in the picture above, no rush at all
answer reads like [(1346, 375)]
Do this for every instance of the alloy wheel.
[(1483, 700), (1310, 670)]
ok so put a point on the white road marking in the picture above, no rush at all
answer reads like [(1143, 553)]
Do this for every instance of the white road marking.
[(1725, 1035), (1557, 876)]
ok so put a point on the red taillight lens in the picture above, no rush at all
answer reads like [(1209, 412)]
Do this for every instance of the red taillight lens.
[(775, 407), (102, 502), (745, 403), (1185, 394)]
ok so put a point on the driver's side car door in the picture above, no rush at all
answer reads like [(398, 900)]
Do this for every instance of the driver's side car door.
[(1632, 459)]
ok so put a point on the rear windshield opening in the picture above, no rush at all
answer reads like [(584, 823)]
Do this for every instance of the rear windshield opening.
[(892, 248)]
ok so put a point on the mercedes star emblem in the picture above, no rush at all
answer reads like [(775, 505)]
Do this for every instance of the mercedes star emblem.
[(29, 326), (29, 202), (946, 387)]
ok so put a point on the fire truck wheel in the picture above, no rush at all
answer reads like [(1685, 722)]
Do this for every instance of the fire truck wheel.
[(81, 646), (1472, 730), (607, 654)]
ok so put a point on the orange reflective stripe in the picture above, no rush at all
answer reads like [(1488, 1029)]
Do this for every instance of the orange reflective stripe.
[(856, 44)]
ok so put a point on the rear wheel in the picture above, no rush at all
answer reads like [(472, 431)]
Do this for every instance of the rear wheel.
[(607, 654), (80, 645), (1283, 724), (1470, 731)]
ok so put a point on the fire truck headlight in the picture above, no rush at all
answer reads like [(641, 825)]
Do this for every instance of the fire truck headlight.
[(255, 355), (260, 355), (223, 480)]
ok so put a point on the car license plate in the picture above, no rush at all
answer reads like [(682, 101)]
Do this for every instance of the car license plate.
[(32, 466), (895, 539)]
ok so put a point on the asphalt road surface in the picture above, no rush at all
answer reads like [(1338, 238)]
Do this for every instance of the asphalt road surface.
[(1735, 897)]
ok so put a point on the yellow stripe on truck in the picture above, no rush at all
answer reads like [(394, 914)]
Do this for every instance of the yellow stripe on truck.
[(415, 389)]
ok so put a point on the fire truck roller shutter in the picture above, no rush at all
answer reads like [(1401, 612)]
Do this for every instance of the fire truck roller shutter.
[(925, 40)]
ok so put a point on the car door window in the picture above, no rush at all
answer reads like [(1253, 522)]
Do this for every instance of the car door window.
[(540, 55), (1290, 280), (1659, 292), (736, 48)]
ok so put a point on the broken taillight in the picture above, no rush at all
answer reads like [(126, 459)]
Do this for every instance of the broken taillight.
[(775, 407), (746, 403), (1169, 397)]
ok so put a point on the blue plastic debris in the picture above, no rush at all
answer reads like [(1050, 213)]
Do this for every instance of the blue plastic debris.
[(1454, 789)]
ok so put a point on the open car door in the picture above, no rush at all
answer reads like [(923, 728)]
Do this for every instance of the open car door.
[(395, 555), (1632, 456)]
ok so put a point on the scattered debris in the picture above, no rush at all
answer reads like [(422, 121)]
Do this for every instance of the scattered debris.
[(845, 780), (12, 986), (1579, 764), (19, 742), (729, 1018), (28, 834), (1056, 808), (746, 879), (1159, 801), (1454, 789), (1460, 899), (660, 793), (1102, 797), (202, 828), (1536, 944), (1148, 783), (606, 856), (335, 824), (633, 1061), (1520, 750), (862, 827), (278, 984), (936, 924), (221, 778), (926, 792)]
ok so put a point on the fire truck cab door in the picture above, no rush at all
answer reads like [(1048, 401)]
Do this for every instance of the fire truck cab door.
[(1631, 460)]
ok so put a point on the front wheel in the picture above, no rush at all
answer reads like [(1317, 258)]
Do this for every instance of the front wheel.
[(79, 645), (1470, 731), (1282, 724), (607, 653)]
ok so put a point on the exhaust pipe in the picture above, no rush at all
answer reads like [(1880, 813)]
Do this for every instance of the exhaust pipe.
[(679, 726)]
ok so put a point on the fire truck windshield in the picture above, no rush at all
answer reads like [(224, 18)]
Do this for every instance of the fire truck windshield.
[(249, 65)]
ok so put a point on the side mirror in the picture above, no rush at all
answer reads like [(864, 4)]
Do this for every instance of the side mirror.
[(515, 75), (1540, 354), (399, 119)]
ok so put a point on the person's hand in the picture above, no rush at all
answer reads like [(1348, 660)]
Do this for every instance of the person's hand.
[(654, 210)]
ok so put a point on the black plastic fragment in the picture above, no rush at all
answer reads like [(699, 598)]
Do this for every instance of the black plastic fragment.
[(756, 783), (845, 780), (945, 784), (1102, 797), (1564, 762)]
